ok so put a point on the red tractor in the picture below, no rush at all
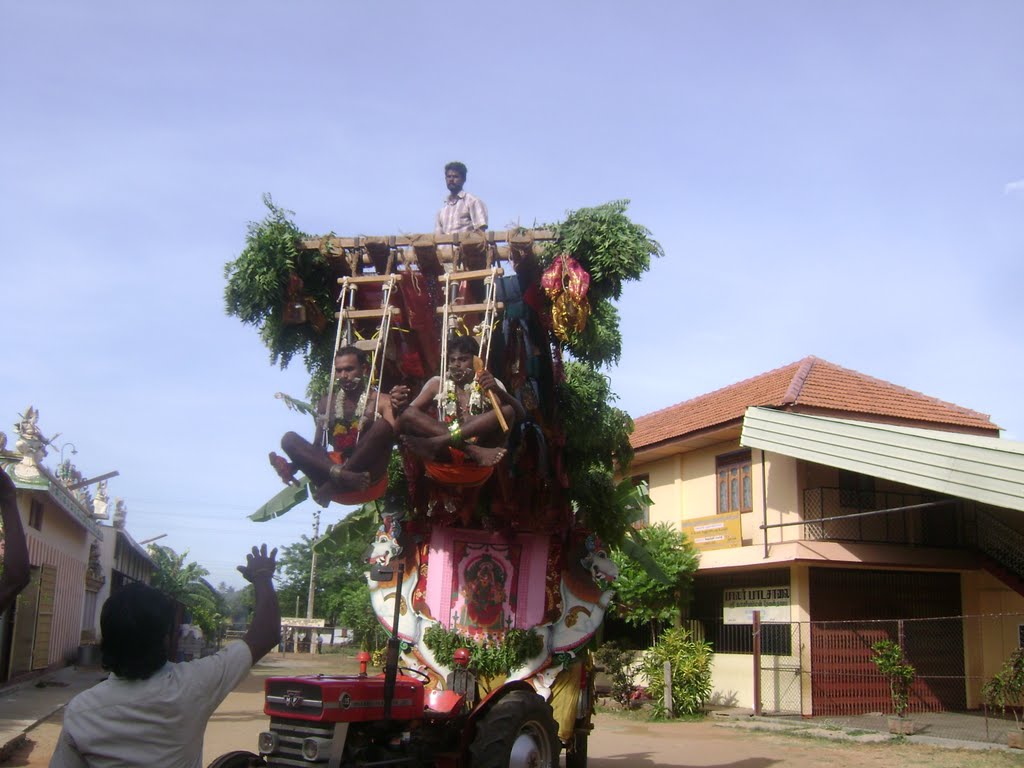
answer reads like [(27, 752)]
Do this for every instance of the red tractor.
[(350, 721)]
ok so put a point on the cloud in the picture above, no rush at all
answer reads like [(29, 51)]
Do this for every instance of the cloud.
[(1015, 187)]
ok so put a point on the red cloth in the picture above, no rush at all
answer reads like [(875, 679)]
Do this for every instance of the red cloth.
[(458, 472), (374, 491)]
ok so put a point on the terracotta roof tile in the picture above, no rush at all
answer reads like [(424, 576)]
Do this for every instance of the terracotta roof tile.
[(811, 383)]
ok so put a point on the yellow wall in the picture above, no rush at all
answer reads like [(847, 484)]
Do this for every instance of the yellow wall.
[(684, 487), (988, 637)]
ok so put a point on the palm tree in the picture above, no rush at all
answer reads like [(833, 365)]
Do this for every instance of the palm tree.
[(186, 583)]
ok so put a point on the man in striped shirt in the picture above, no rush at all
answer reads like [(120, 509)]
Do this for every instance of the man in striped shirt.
[(461, 212)]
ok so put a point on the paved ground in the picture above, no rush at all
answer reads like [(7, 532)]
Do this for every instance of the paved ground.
[(619, 741)]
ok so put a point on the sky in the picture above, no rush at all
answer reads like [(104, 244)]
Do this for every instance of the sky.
[(840, 179)]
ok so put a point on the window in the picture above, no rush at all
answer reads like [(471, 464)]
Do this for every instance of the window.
[(644, 483), (734, 484), (35, 515)]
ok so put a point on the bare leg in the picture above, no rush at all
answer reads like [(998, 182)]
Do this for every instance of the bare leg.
[(368, 463)]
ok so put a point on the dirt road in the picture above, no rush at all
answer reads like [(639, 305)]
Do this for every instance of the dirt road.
[(617, 742)]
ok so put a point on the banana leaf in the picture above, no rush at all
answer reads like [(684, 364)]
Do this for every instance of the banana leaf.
[(359, 523), (633, 548), (289, 497)]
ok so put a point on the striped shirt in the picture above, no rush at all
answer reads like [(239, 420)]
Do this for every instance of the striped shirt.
[(463, 214)]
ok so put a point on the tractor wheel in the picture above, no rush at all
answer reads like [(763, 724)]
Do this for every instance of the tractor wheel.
[(239, 759), (518, 732), (576, 757)]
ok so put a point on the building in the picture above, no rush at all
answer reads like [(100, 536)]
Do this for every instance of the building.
[(44, 628), (845, 509)]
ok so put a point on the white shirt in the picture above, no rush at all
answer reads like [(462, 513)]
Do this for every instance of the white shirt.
[(466, 212), (156, 722)]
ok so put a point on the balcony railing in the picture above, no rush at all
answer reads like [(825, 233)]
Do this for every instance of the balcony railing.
[(885, 517)]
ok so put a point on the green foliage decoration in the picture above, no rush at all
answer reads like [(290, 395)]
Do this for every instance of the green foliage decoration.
[(888, 657), (641, 599), (690, 660), (488, 658), (613, 250), (257, 282)]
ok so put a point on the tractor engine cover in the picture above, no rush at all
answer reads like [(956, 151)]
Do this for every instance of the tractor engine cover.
[(341, 698)]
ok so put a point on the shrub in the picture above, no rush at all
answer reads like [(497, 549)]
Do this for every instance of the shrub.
[(1006, 688), (691, 672), (619, 664), (888, 657)]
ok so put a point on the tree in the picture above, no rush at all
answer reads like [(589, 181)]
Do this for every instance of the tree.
[(186, 583), (643, 599)]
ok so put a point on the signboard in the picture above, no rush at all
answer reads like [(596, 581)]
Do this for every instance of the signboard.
[(739, 604), (713, 532), (303, 622)]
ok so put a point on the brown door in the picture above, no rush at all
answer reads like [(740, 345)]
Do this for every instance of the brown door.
[(25, 626), (44, 617)]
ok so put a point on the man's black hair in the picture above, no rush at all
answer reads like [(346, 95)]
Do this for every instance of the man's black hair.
[(136, 622), (360, 355), (466, 344), (455, 165)]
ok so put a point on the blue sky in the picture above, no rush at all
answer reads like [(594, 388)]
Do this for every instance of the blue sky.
[(842, 179)]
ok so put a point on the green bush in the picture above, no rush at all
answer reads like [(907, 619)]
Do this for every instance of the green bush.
[(888, 657), (1006, 688), (691, 672), (619, 664)]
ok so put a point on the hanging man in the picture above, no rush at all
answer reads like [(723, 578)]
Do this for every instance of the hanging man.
[(360, 424), (468, 426), (461, 211)]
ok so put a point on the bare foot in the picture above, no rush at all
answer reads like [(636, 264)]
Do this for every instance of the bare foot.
[(426, 447), (485, 457), (284, 470), (344, 480), (323, 494)]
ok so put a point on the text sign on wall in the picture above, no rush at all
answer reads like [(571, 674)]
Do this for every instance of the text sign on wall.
[(292, 621), (739, 604), (714, 531)]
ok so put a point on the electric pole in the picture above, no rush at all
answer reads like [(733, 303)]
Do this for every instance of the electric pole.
[(312, 564)]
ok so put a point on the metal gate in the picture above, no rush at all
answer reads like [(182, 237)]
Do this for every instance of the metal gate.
[(781, 669)]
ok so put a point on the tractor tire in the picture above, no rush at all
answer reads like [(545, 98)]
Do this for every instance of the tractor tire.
[(518, 732), (238, 759), (577, 756)]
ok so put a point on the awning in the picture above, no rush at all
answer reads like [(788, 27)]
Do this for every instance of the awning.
[(985, 469)]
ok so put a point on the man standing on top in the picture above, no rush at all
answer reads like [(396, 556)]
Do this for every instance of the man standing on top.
[(461, 212)]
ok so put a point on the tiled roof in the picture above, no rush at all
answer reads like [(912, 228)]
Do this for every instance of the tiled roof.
[(813, 384)]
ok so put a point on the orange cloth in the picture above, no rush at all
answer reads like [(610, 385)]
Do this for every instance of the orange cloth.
[(374, 491), (458, 472)]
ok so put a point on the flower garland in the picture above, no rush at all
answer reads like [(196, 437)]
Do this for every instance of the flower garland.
[(346, 431), (448, 400)]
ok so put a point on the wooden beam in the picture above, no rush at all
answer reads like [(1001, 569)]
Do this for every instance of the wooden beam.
[(361, 314), (361, 279), (465, 309), (471, 274), (401, 241)]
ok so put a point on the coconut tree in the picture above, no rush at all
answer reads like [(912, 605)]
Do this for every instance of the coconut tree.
[(186, 582)]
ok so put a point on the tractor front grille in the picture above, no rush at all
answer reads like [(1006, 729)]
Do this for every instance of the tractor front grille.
[(290, 735)]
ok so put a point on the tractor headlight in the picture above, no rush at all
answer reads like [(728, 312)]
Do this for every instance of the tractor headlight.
[(316, 750), (267, 743)]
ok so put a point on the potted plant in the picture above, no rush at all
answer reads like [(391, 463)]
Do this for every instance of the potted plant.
[(1006, 690), (888, 657)]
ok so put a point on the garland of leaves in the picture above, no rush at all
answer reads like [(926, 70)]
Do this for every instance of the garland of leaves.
[(488, 659), (258, 280)]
